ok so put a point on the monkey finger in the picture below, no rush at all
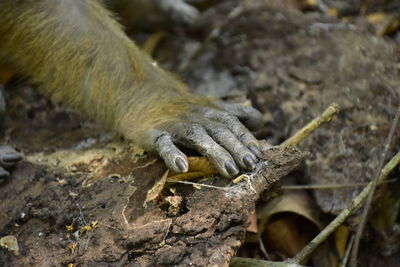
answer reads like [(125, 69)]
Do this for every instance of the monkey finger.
[(195, 136), (237, 128), (249, 116), (9, 156), (172, 156), (242, 155)]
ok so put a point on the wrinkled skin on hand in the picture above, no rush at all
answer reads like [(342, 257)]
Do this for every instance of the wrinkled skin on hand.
[(217, 132)]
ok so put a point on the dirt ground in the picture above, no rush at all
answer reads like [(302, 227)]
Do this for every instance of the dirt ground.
[(78, 196)]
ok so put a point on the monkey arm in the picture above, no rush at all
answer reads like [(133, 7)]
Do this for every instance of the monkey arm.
[(76, 53)]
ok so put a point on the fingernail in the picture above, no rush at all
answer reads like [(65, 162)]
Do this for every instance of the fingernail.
[(231, 168), (181, 164), (249, 161), (253, 148), (11, 158)]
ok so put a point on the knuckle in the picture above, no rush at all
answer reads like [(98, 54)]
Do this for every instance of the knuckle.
[(216, 130), (231, 119), (193, 131), (216, 151)]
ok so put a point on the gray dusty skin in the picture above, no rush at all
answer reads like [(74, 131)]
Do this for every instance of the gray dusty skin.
[(8, 155), (77, 53)]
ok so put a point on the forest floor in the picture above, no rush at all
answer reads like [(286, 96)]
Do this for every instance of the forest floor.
[(78, 196)]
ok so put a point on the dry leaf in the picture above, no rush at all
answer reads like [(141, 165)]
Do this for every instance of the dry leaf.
[(385, 24), (157, 188), (198, 167), (284, 235), (288, 222), (293, 202), (186, 176), (10, 242), (332, 11), (201, 164), (252, 221), (341, 238), (301, 4), (376, 17)]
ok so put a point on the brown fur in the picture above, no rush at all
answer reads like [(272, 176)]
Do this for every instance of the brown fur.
[(75, 52)]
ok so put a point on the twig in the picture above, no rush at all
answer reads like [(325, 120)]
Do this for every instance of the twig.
[(262, 248), (152, 42), (197, 184), (348, 250), (353, 206), (327, 186), (361, 226), (300, 135), (249, 262)]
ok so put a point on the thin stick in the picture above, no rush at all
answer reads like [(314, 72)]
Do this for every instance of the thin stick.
[(328, 186), (303, 133), (363, 221), (353, 206), (348, 250), (262, 248), (249, 262), (197, 184)]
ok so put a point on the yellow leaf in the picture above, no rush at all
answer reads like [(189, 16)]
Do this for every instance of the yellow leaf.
[(376, 17), (201, 164), (341, 237), (332, 11), (157, 188), (198, 167)]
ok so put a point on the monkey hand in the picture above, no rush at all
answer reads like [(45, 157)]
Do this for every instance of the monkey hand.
[(216, 131)]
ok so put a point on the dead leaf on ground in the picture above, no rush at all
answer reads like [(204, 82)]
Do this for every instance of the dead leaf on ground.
[(283, 235), (252, 221), (288, 222), (384, 24), (198, 167), (10, 242), (156, 190), (303, 5), (291, 202), (341, 239)]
